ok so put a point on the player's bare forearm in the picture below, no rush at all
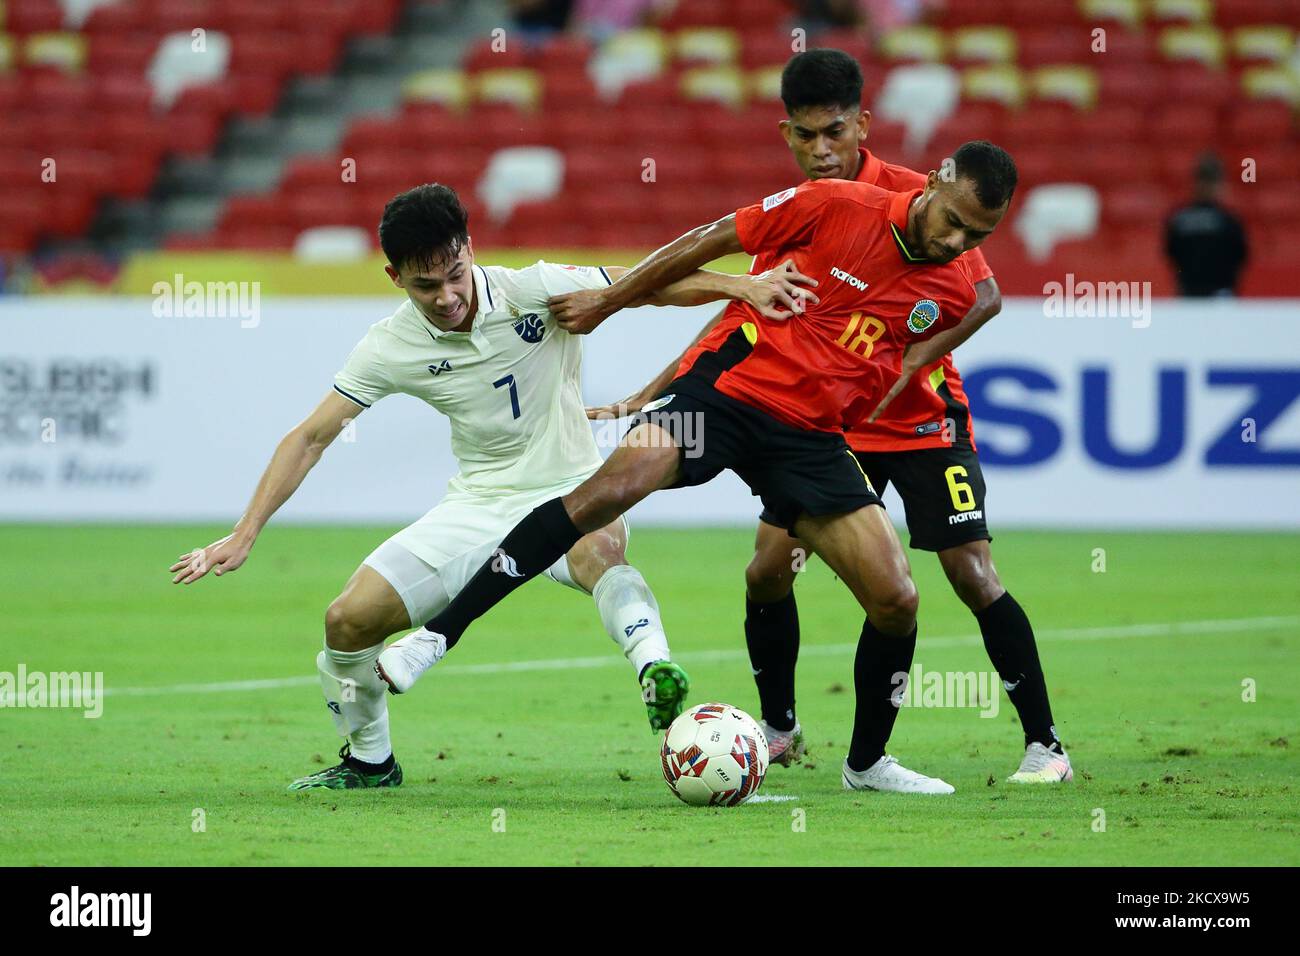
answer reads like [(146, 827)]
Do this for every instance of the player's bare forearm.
[(296, 455), (988, 303), (582, 311), (698, 288), (673, 262)]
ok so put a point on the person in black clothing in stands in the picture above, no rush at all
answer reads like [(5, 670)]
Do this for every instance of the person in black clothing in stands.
[(1204, 241)]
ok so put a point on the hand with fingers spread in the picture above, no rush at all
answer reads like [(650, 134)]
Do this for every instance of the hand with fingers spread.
[(220, 557), (779, 293)]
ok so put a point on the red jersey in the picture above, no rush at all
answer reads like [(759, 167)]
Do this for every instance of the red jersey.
[(826, 369), (914, 419)]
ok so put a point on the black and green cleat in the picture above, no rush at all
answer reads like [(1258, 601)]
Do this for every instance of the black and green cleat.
[(348, 775), (664, 686)]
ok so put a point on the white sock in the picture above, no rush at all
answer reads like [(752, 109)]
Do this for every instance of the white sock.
[(357, 700), (630, 614)]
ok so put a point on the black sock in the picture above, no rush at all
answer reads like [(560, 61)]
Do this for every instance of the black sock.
[(772, 635), (365, 767), (537, 542), (1009, 640), (880, 659)]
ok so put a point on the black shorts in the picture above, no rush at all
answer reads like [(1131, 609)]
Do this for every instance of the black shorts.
[(942, 491), (793, 471)]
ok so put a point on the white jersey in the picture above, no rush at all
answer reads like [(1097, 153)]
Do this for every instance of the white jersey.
[(510, 385)]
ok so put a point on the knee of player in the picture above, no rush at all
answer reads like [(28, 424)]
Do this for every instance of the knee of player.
[(345, 628), (767, 579), (894, 611), (594, 555), (976, 584)]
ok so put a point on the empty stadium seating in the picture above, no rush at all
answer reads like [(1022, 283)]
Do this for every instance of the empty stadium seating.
[(658, 129)]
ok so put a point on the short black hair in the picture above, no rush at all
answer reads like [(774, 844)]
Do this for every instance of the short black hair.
[(423, 226), (821, 78), (1208, 168), (990, 168)]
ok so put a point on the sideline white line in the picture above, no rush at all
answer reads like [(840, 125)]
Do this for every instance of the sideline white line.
[(1155, 629)]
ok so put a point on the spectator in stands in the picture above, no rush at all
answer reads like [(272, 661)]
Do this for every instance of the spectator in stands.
[(599, 19), (877, 15), (538, 19), (1204, 241)]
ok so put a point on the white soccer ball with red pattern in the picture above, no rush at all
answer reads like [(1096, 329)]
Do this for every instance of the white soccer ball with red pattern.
[(714, 755)]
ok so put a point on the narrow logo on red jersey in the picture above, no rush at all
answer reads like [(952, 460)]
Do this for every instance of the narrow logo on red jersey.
[(774, 200)]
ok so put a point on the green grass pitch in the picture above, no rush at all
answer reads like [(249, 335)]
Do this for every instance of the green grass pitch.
[(1147, 662)]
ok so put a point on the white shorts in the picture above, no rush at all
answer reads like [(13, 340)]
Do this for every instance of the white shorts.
[(428, 562)]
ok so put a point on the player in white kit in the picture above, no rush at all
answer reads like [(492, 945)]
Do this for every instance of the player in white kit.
[(479, 344)]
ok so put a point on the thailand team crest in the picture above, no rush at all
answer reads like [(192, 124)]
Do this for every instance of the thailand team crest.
[(530, 327), (924, 314)]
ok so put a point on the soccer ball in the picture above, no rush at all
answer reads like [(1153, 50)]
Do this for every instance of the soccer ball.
[(714, 755)]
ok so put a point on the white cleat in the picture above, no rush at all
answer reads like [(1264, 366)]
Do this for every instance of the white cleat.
[(1042, 765), (401, 663), (889, 775), (785, 747)]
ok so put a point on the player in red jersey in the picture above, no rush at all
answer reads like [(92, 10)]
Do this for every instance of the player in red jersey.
[(770, 400), (919, 437)]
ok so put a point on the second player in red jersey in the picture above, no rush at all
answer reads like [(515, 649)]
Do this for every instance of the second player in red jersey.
[(826, 368)]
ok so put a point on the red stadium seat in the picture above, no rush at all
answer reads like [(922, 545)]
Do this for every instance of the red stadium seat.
[(127, 92), (568, 89), (1119, 125), (180, 16), (1239, 13), (562, 53), (495, 55), (192, 133), (32, 16), (329, 206), (372, 16), (1045, 47), (210, 99), (335, 17), (1049, 125), (765, 47), (254, 211), (255, 237), (68, 212), (1194, 83), (1187, 126), (1128, 206), (1129, 86), (21, 216), (121, 53), (269, 54), (118, 19), (1260, 124)]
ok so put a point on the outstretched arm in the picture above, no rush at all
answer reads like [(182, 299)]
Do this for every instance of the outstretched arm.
[(581, 312), (776, 293), (988, 303), (297, 452)]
